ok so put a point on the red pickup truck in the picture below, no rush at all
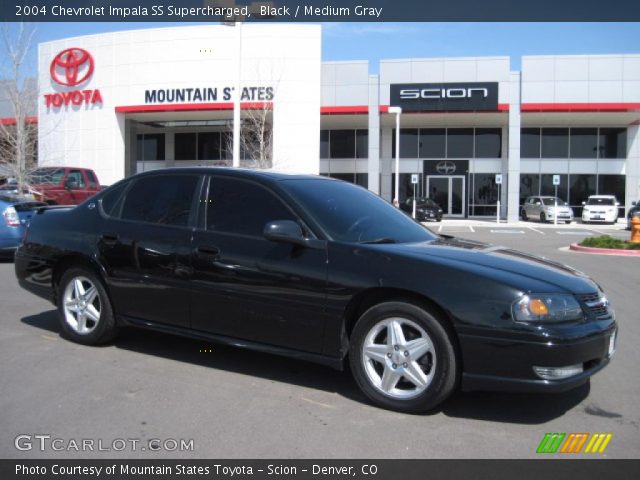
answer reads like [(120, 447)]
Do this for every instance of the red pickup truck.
[(63, 185)]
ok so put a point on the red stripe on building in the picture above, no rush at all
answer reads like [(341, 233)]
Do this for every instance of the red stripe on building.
[(12, 121), (187, 107), (580, 107), (345, 110)]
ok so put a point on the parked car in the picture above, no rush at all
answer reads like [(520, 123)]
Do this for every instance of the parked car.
[(600, 208), (16, 213), (64, 185), (544, 209), (316, 269), (633, 212), (426, 209)]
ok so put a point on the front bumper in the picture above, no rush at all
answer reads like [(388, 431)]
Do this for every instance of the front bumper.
[(426, 216), (599, 217), (503, 364)]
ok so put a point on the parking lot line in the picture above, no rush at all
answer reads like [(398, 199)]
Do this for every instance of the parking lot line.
[(536, 230), (505, 230), (472, 229), (574, 232)]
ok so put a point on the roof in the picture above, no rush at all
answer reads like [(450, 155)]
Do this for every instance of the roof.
[(238, 172)]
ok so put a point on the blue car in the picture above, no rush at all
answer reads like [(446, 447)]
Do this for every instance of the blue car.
[(14, 217)]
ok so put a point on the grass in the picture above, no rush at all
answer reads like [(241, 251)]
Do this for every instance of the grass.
[(607, 241)]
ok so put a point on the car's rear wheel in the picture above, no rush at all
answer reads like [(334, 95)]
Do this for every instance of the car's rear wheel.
[(567, 222), (403, 358), (84, 308), (523, 215), (543, 217)]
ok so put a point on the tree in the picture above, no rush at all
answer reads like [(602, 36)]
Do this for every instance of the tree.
[(256, 139), (18, 90)]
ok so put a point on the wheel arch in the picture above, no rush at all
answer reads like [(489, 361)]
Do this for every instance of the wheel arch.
[(366, 299), (76, 260)]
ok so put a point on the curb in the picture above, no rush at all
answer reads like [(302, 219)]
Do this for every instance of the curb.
[(605, 251)]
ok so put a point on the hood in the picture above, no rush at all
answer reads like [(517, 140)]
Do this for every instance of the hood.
[(457, 252)]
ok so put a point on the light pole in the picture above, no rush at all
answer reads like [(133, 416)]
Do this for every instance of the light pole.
[(397, 111)]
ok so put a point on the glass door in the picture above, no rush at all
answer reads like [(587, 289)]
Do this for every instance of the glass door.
[(448, 192)]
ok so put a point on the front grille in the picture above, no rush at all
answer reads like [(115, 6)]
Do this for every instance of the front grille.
[(597, 304)]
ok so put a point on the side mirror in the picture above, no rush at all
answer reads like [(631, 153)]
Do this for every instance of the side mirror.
[(70, 184), (288, 231), (285, 231)]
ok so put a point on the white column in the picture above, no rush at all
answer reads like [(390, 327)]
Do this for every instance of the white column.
[(513, 174), (373, 164), (632, 190)]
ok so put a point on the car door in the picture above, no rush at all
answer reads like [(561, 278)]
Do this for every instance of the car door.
[(248, 287), (78, 193), (92, 183), (144, 243)]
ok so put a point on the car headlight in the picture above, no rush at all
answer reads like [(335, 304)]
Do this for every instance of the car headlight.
[(547, 308), (585, 210)]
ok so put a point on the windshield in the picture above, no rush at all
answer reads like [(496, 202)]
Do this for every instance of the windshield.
[(426, 202), (601, 201), (350, 213), (47, 175), (552, 201)]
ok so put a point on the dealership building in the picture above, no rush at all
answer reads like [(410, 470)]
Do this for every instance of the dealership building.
[(131, 101)]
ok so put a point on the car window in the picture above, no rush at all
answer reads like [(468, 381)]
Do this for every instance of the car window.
[(112, 199), (353, 214), (241, 207), (76, 176), (93, 183), (46, 175), (162, 199), (601, 201)]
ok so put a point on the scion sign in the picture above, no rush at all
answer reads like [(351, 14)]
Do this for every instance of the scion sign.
[(445, 96)]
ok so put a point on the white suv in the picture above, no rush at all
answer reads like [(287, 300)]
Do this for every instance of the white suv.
[(600, 208)]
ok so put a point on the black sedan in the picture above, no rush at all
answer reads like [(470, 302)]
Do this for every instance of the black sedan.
[(426, 209), (320, 270)]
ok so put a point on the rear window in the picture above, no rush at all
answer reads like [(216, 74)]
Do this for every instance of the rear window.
[(161, 199), (601, 201)]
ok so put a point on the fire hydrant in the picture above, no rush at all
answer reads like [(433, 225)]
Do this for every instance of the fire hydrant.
[(635, 229)]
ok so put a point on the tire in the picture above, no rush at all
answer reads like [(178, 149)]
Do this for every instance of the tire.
[(89, 321), (523, 215), (543, 217), (567, 222), (372, 357)]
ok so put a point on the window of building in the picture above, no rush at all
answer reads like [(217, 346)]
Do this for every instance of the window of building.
[(433, 142), (613, 143), (324, 143), (150, 146), (185, 146), (362, 144), (460, 143), (548, 188), (484, 194), (530, 143), (488, 142), (161, 199), (580, 187), (209, 145), (555, 143), (583, 143), (529, 185), (342, 144), (243, 208), (408, 143)]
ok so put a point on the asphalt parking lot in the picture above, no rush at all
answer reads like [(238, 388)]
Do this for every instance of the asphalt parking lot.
[(238, 404)]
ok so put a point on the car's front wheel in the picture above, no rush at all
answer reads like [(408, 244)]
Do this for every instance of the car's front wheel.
[(84, 308), (403, 358)]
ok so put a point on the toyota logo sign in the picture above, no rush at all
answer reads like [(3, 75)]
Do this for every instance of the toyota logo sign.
[(446, 167), (71, 67)]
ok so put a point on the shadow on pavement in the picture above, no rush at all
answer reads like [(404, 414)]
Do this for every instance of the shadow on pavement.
[(489, 406)]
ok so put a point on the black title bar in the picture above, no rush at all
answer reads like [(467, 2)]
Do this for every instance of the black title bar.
[(320, 10)]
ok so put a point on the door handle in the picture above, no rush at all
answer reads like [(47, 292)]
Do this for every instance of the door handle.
[(109, 238), (208, 250)]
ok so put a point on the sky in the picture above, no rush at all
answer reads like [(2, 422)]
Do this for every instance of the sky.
[(375, 41)]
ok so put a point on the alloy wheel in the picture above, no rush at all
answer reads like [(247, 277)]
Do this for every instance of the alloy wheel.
[(82, 306), (399, 358)]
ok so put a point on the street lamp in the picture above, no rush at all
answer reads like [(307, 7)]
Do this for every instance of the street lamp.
[(397, 111)]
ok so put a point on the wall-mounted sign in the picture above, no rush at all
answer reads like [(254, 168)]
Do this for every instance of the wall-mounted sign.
[(207, 94), (426, 97), (72, 67)]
